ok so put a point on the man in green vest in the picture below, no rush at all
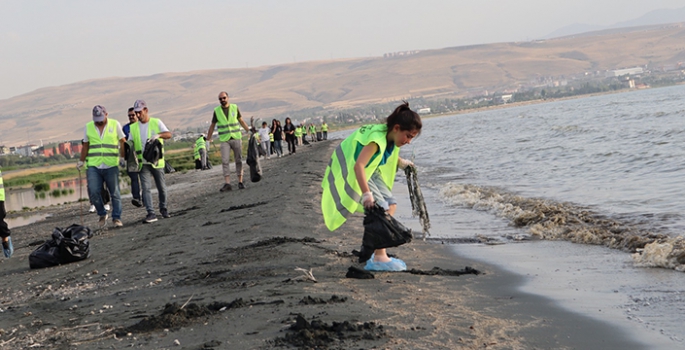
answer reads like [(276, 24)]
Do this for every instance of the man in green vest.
[(312, 132), (103, 149), (298, 134), (324, 130), (7, 247), (228, 121), (148, 130), (200, 151)]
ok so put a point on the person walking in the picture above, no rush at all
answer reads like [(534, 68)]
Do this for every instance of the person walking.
[(324, 130), (103, 149), (5, 233), (312, 132), (362, 171), (200, 151), (133, 175), (298, 135), (228, 120), (277, 132), (148, 130), (289, 130), (264, 137)]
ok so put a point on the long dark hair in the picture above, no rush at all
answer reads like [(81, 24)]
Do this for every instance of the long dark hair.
[(288, 120), (403, 116)]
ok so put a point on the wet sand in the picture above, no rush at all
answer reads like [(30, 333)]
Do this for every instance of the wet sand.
[(221, 274)]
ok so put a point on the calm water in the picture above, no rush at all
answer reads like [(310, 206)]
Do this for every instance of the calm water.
[(606, 173)]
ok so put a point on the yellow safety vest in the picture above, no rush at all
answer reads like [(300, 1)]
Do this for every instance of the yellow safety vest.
[(341, 193), (153, 126), (199, 144), (312, 129), (228, 126), (2, 189), (324, 127), (298, 132), (271, 137), (105, 150)]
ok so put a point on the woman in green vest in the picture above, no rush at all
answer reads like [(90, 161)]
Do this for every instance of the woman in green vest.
[(362, 171), (7, 247), (324, 130)]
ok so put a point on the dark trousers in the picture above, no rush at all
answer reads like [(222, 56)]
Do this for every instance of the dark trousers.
[(135, 184), (290, 139), (4, 229)]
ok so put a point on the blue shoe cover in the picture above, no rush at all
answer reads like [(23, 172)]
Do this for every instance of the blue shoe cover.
[(392, 265), (10, 249)]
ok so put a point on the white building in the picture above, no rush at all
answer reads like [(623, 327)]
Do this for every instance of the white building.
[(627, 71), (424, 111)]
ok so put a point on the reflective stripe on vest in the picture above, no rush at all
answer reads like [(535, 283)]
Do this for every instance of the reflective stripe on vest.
[(228, 126), (2, 189), (153, 126), (105, 150), (341, 193)]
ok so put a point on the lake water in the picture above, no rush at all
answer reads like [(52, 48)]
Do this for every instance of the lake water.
[(567, 191)]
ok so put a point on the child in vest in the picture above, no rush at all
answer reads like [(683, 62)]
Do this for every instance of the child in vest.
[(367, 161)]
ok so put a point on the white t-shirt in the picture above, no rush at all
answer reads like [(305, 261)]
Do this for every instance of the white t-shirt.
[(120, 135), (143, 133), (264, 134)]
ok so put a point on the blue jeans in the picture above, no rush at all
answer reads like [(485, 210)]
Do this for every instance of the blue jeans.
[(381, 192), (135, 184), (146, 175), (96, 177), (278, 147)]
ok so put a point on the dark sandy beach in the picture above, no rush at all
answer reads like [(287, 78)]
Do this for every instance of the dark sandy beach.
[(221, 274)]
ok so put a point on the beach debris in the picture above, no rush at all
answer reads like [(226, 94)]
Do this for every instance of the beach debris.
[(320, 335), (308, 300), (176, 342), (444, 272), (355, 272), (306, 275), (418, 204)]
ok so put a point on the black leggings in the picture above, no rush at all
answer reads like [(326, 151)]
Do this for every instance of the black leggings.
[(291, 142)]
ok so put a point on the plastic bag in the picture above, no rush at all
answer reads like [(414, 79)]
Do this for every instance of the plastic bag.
[(381, 230), (253, 152), (65, 246)]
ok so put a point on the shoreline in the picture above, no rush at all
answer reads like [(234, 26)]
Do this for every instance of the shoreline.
[(239, 250)]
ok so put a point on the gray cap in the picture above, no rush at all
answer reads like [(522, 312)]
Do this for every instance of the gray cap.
[(139, 105), (99, 113)]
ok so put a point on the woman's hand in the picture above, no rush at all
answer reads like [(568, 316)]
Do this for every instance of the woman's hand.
[(367, 200)]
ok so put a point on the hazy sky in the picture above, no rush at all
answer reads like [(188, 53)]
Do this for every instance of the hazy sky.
[(47, 43)]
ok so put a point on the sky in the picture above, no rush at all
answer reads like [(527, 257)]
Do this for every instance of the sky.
[(49, 43)]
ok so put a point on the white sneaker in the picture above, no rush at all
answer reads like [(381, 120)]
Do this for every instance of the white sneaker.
[(106, 207), (92, 209)]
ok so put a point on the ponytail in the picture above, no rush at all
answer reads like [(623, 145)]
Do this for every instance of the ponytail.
[(403, 116)]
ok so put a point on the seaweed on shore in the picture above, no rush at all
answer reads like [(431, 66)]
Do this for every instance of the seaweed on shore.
[(320, 335)]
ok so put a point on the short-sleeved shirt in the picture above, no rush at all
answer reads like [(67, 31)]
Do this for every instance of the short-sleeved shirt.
[(120, 135)]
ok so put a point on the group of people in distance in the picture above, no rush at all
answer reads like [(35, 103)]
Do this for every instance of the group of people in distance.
[(271, 137)]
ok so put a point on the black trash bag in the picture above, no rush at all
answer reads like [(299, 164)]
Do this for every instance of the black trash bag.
[(381, 230), (153, 151), (168, 169), (65, 246), (253, 152), (198, 164)]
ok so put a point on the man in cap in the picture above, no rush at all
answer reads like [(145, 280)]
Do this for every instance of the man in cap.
[(133, 175), (228, 120), (103, 147), (147, 130)]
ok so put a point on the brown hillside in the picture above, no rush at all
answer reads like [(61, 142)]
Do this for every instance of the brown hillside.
[(187, 99)]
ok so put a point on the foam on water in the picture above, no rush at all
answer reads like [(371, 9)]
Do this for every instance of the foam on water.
[(551, 220)]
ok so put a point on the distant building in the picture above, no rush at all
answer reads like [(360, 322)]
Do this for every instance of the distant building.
[(627, 71), (64, 148), (425, 110), (76, 147), (47, 152)]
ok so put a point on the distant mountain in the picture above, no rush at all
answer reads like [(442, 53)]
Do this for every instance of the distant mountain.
[(655, 17), (187, 99)]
